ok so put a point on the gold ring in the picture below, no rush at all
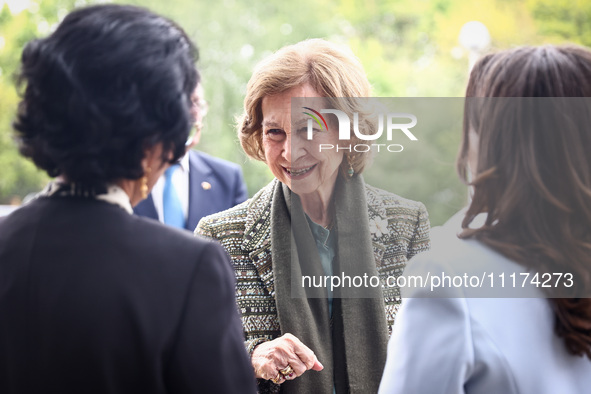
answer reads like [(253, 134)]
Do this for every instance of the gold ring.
[(277, 378), (286, 371)]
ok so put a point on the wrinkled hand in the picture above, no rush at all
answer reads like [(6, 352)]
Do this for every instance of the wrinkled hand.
[(269, 358)]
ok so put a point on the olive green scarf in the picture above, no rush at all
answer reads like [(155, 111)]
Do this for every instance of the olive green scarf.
[(352, 347)]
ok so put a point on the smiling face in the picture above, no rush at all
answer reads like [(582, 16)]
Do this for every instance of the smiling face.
[(292, 158)]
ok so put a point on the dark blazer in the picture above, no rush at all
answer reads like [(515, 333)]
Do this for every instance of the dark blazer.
[(227, 189), (95, 300)]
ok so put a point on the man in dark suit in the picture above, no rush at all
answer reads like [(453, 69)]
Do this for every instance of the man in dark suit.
[(204, 184)]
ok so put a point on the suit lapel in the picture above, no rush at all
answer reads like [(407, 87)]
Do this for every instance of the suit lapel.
[(199, 172), (147, 208)]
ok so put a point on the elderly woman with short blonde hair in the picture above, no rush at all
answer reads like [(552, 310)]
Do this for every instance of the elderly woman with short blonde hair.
[(313, 220)]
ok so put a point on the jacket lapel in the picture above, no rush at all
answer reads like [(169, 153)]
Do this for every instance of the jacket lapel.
[(198, 173), (376, 210), (257, 235), (146, 208)]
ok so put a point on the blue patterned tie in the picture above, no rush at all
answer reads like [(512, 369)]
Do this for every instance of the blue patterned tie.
[(171, 205)]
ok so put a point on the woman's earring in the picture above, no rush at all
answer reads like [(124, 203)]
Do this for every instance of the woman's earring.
[(350, 171), (144, 187)]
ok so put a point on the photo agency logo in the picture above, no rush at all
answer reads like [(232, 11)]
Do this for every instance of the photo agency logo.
[(393, 125)]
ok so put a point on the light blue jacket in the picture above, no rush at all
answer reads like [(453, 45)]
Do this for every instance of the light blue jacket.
[(454, 341)]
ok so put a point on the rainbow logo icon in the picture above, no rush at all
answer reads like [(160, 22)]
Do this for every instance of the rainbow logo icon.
[(316, 117)]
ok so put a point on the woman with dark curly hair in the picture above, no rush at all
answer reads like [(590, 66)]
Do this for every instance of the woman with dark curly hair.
[(527, 231), (92, 298)]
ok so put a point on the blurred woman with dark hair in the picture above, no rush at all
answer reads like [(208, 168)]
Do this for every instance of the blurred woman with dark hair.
[(526, 144), (92, 298)]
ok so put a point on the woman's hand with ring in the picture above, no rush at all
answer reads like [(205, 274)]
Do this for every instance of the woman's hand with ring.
[(284, 358)]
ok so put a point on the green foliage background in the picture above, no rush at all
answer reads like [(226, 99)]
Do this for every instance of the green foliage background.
[(409, 49)]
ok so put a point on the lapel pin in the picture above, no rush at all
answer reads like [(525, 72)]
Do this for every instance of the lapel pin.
[(206, 185)]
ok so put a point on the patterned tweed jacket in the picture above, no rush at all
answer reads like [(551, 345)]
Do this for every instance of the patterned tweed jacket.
[(399, 228)]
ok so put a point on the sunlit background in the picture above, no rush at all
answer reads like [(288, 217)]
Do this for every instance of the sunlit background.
[(420, 48)]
